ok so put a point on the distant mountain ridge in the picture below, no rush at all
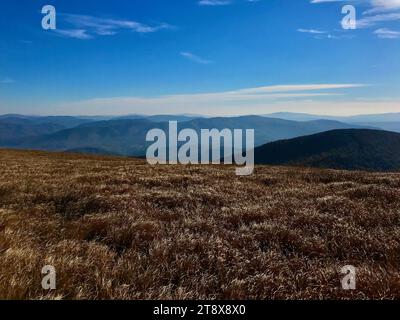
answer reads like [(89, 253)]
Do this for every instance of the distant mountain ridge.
[(294, 116), (62, 121), (11, 132), (127, 136), (350, 149), (384, 121)]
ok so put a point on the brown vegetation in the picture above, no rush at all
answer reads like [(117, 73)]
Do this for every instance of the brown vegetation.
[(118, 228)]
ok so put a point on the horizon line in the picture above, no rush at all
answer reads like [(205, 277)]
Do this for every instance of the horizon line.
[(195, 115)]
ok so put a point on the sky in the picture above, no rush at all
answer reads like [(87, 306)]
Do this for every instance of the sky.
[(210, 57)]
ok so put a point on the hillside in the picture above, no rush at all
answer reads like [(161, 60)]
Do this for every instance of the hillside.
[(13, 132), (117, 228), (353, 149), (127, 136)]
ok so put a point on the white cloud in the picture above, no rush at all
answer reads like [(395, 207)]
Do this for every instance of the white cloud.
[(325, 1), (74, 33), (385, 33), (87, 27), (313, 31), (214, 2), (384, 5), (380, 11), (369, 21), (219, 2), (192, 57), (244, 101), (376, 13)]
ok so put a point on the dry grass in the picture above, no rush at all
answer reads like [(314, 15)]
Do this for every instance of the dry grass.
[(120, 229)]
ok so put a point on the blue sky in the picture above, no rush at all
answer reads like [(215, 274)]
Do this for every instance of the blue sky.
[(215, 57)]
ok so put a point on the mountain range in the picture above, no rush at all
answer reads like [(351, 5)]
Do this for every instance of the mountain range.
[(126, 136), (382, 117), (384, 121), (281, 139)]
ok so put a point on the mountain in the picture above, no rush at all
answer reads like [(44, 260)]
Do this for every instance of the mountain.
[(11, 132), (127, 137), (387, 126), (294, 116), (268, 129), (367, 118), (16, 128), (383, 117), (74, 121), (352, 149), (62, 121), (160, 118), (120, 137)]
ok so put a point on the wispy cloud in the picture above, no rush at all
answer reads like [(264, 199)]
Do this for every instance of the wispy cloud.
[(227, 101), (195, 58), (380, 11), (74, 33), (87, 27), (299, 87), (385, 33), (220, 2), (376, 13), (383, 5), (372, 20), (320, 34), (312, 31), (214, 2), (325, 1)]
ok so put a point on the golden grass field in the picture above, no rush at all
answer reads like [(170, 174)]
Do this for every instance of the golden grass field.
[(117, 228)]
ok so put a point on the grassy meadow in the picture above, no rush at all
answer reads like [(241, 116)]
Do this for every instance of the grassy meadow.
[(117, 228)]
